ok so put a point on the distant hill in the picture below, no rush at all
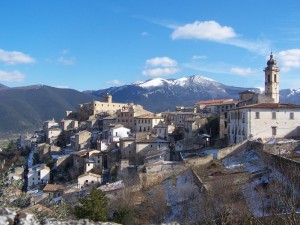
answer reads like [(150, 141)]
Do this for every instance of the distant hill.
[(2, 86), (24, 108), (159, 94)]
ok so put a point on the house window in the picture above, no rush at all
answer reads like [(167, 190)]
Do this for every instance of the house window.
[(256, 115), (151, 146), (269, 78), (273, 115), (291, 116), (275, 78), (274, 131)]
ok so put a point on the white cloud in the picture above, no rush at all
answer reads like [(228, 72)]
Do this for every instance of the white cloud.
[(156, 72), (241, 71), (66, 61), (213, 31), (195, 57), (114, 82), (13, 76), (206, 30), (160, 66), (161, 61), (15, 57), (289, 59), (144, 33), (258, 46)]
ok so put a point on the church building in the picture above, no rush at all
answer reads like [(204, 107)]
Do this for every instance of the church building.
[(264, 117)]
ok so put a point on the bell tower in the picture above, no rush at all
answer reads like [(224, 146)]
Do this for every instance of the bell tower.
[(272, 79)]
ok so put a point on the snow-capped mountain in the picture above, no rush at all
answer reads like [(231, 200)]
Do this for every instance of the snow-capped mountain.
[(165, 94), (290, 96)]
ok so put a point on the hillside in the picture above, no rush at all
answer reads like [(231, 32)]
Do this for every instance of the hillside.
[(24, 108)]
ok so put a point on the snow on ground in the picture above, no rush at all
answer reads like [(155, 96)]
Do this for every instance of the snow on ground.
[(248, 160), (257, 200), (182, 196), (30, 160)]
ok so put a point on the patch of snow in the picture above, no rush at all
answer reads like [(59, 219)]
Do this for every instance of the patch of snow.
[(181, 81), (248, 160), (286, 141), (294, 92), (157, 82), (271, 141)]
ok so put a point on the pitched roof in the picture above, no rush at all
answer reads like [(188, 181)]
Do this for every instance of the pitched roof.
[(214, 101), (90, 174), (149, 116), (272, 106), (151, 140), (53, 187)]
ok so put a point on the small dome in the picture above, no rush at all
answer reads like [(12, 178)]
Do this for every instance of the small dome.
[(271, 61)]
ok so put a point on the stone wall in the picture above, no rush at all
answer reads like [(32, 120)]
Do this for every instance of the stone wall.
[(282, 147), (197, 161), (199, 182), (229, 150)]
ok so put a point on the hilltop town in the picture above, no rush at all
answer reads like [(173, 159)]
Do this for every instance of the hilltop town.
[(222, 160)]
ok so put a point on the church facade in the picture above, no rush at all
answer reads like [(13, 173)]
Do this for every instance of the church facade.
[(265, 119)]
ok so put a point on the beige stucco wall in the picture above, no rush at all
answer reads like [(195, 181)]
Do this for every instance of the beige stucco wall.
[(262, 127)]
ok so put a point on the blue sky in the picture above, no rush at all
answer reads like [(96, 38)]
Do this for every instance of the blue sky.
[(93, 44)]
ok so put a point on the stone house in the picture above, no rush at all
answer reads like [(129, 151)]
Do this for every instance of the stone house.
[(178, 118), (82, 140), (148, 145), (145, 123), (38, 174), (94, 161), (53, 190), (192, 127), (113, 190), (87, 161), (163, 130), (126, 115), (108, 121), (89, 180), (127, 148), (52, 134), (68, 124)]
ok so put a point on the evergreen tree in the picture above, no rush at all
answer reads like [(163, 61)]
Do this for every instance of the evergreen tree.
[(94, 207)]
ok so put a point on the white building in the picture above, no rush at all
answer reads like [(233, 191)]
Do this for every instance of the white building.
[(263, 120), (38, 174), (89, 179), (117, 132)]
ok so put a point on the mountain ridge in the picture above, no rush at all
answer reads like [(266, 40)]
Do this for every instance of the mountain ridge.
[(25, 108)]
